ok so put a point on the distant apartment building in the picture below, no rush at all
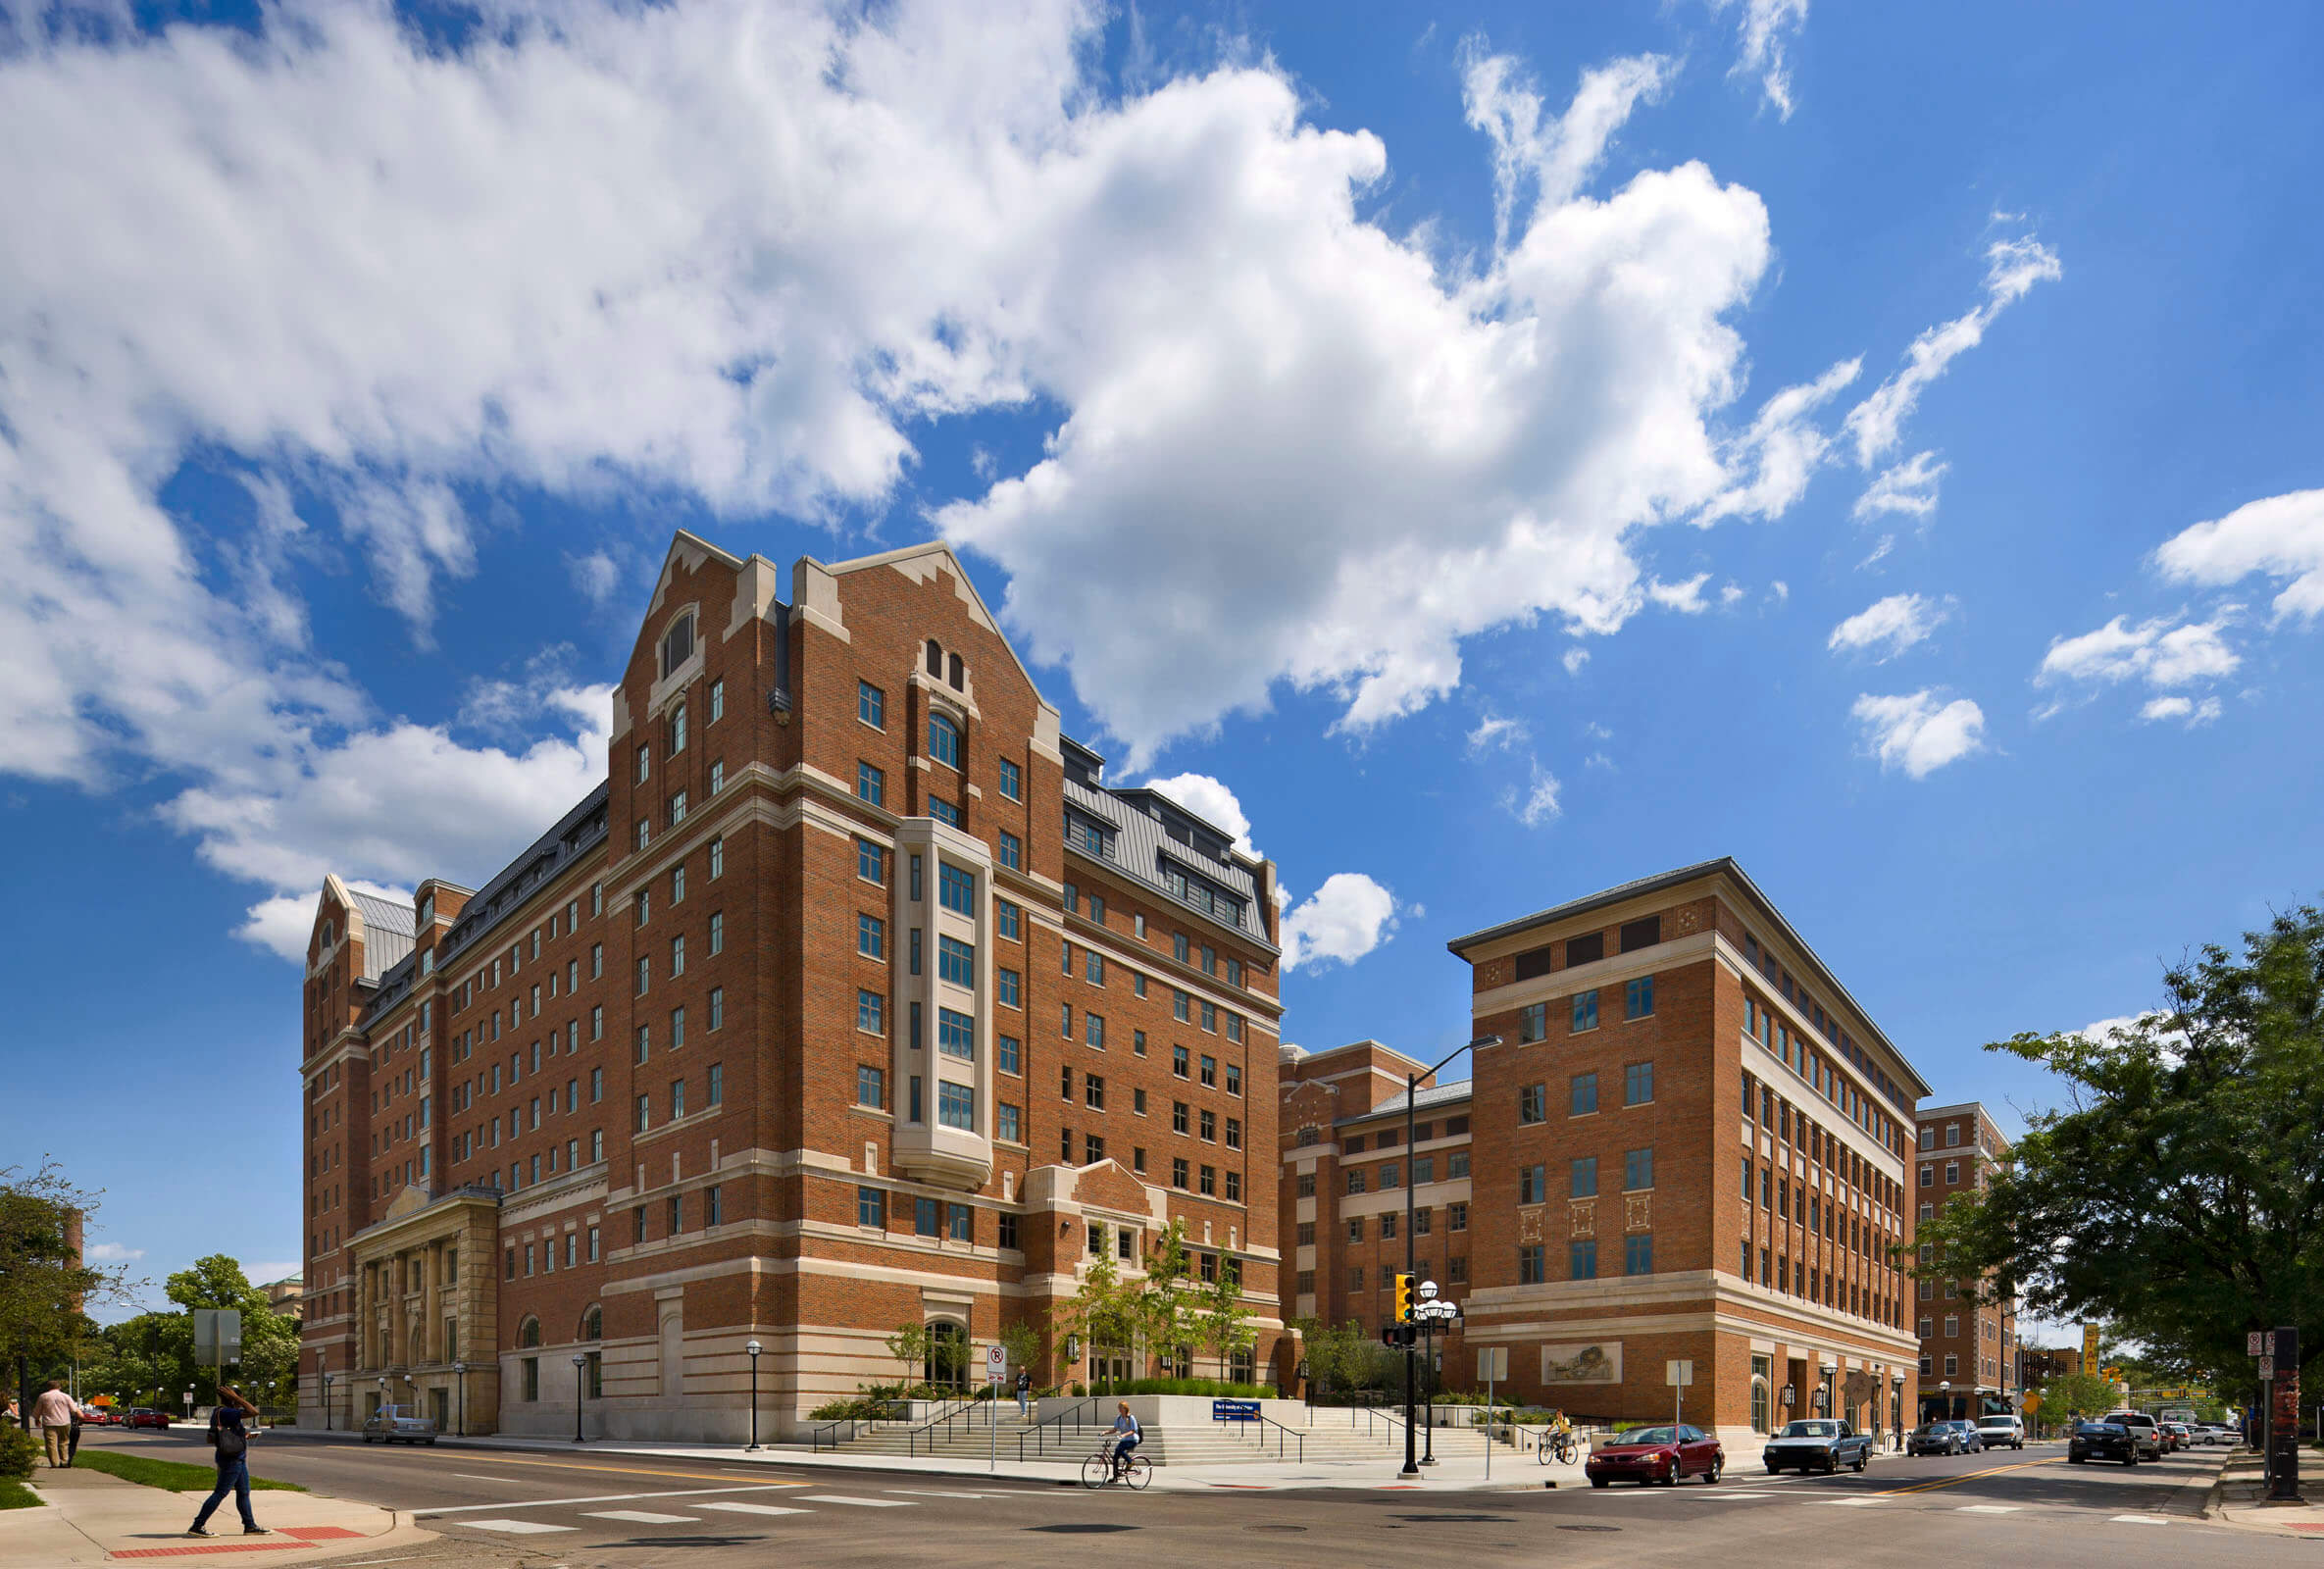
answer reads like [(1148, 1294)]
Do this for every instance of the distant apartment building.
[(1969, 1351), (853, 997)]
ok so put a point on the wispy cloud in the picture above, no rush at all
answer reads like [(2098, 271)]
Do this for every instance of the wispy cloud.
[(1920, 733), (1890, 626)]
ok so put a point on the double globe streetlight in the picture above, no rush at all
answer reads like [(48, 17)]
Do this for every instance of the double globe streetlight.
[(1433, 1316)]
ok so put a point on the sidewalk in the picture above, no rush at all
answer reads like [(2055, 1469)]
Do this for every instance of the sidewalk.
[(2238, 1498), (95, 1518), (1510, 1471)]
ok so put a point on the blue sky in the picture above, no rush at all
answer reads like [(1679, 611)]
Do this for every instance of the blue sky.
[(1497, 450)]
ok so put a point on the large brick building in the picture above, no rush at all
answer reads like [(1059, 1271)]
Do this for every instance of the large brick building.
[(1682, 1141), (854, 997), (1968, 1349)]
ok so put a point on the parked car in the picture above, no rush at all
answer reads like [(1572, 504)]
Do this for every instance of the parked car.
[(99, 1416), (398, 1424), (2143, 1428), (1936, 1438), (1665, 1455), (1971, 1441), (2179, 1436), (144, 1416), (1818, 1443), (2102, 1441), (2001, 1431)]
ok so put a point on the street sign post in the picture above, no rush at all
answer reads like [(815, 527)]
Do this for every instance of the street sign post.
[(996, 1372), (1492, 1366), (2283, 1434), (217, 1336), (1678, 1375)]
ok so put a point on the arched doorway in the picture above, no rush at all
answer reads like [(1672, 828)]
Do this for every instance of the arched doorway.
[(947, 1354)]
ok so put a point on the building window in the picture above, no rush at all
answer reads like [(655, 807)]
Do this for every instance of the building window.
[(1531, 1269), (871, 1087), (1007, 986), (956, 1034), (1456, 1217), (1533, 1103), (1952, 1174), (1093, 1030), (871, 862), (1355, 1175), (1638, 998), (1012, 850), (1581, 1260), (1011, 788), (870, 705), (870, 936), (1638, 1254), (871, 785), (870, 1012), (956, 1106), (1582, 1096), (1583, 1182), (956, 962), (1005, 1051), (1533, 1021), (945, 812), (1638, 1084), (1007, 921), (1585, 1011), (944, 740), (1009, 1128), (1532, 1185), (1178, 1174), (1638, 1169)]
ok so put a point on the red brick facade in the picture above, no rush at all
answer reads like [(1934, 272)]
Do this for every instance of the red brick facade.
[(669, 1055), (1969, 1362)]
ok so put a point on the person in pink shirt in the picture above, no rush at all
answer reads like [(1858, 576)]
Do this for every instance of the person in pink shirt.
[(52, 1414)]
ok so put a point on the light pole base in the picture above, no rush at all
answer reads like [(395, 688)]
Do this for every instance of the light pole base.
[(1431, 1460), (1410, 1471)]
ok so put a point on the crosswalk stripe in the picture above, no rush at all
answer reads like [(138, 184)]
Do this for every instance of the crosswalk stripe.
[(1851, 1503), (602, 1497), (1988, 1508), (754, 1508), (863, 1503), (515, 1528), (937, 1493), (644, 1517), (2138, 1520)]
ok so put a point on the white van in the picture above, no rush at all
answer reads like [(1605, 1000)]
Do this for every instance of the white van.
[(2001, 1429)]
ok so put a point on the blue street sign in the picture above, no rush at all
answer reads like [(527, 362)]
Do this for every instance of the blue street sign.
[(1235, 1410)]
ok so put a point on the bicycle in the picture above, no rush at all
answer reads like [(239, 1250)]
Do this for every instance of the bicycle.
[(1098, 1470), (1558, 1446)]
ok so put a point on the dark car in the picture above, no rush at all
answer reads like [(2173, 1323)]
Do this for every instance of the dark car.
[(1936, 1438), (2142, 1430), (145, 1417), (1818, 1443), (2103, 1440), (1663, 1454)]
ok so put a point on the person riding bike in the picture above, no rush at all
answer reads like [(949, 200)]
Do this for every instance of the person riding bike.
[(1561, 1432), (1125, 1438)]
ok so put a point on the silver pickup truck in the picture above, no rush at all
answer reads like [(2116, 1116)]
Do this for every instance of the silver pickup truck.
[(1818, 1443)]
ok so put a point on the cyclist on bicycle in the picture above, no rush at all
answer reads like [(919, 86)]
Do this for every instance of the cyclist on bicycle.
[(1126, 1437)]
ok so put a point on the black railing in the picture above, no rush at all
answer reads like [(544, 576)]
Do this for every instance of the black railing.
[(1054, 1428), (1262, 1423)]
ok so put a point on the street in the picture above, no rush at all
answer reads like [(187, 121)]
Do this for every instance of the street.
[(598, 1507)]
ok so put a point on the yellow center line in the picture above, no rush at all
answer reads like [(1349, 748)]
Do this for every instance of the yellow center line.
[(1966, 1476), (631, 1470)]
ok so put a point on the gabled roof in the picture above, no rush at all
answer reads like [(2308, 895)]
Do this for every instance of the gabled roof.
[(1451, 1095), (924, 554)]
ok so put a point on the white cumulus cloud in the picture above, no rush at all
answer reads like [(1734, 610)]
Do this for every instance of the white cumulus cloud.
[(1341, 922), (1213, 802), (1920, 733), (2281, 536), (2164, 651), (113, 1254), (1890, 626), (2184, 709)]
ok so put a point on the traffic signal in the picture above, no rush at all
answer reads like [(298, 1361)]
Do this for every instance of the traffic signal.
[(1403, 1299)]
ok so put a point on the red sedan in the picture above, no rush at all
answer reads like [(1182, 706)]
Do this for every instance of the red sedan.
[(145, 1417), (1665, 1454)]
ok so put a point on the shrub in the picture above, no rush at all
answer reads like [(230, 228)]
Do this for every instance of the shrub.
[(1217, 1388), (859, 1407), (19, 1451)]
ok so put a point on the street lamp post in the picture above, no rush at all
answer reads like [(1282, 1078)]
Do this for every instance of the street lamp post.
[(1944, 1398), (581, 1386), (325, 1397), (1828, 1369), (1411, 1243), (1896, 1407), (754, 1348), (460, 1372)]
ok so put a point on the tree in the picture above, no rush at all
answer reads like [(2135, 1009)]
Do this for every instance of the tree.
[(1103, 1311), (1166, 1299), (1022, 1341), (45, 1285), (269, 1371), (1337, 1358), (2072, 1394), (1222, 1326), (2180, 1192)]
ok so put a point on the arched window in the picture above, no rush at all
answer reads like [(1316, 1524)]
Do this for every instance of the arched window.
[(678, 643), (592, 1326), (947, 1354), (944, 740), (959, 672), (529, 1332), (935, 658)]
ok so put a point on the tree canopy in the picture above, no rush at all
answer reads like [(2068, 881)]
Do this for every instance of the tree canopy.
[(2179, 1192), (45, 1285), (150, 1358)]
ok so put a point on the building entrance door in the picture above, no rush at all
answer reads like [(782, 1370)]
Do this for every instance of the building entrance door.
[(439, 1406)]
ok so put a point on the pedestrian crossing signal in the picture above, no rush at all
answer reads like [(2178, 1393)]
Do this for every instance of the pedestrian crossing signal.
[(1403, 1299)]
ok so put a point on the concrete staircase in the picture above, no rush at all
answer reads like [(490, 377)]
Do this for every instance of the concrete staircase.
[(1330, 1440)]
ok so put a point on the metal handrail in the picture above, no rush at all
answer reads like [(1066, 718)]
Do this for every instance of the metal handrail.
[(829, 1431), (1266, 1422), (1039, 1431), (960, 1409)]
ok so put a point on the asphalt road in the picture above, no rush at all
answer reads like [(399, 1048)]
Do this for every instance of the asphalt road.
[(622, 1511)]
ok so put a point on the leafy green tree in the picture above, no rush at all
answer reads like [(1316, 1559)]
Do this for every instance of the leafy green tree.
[(269, 1371), (1103, 1311), (2072, 1394), (2179, 1193), (1167, 1298), (45, 1286), (1222, 1326), (1022, 1340), (1338, 1357)]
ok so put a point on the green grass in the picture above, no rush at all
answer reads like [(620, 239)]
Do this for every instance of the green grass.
[(16, 1496), (172, 1475)]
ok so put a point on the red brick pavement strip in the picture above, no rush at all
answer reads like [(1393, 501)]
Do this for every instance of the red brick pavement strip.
[(305, 1536)]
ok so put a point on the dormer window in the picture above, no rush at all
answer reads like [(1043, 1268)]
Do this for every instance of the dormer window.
[(678, 643)]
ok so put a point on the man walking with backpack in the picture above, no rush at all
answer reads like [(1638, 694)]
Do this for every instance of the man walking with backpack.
[(231, 1439)]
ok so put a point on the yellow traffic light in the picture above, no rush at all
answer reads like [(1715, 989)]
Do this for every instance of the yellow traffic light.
[(1403, 1299)]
